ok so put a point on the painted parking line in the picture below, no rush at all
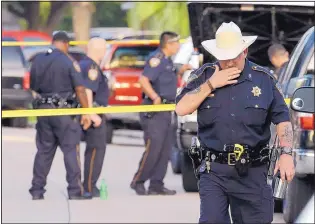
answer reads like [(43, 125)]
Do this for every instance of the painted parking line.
[(18, 139)]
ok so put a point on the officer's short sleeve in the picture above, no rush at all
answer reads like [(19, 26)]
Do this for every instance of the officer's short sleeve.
[(279, 109), (193, 83), (92, 76), (75, 74), (152, 69)]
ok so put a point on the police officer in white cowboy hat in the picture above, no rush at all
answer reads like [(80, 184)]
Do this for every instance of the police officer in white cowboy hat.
[(236, 101)]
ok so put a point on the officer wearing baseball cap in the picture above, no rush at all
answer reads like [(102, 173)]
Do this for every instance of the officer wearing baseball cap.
[(56, 82)]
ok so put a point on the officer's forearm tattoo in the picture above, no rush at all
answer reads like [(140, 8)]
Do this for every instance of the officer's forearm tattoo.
[(197, 90), (285, 133)]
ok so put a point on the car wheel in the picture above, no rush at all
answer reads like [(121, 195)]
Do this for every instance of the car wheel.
[(298, 193), (19, 122), (175, 160), (109, 132), (188, 176)]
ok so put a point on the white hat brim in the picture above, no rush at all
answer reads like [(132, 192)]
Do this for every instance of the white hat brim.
[(227, 54)]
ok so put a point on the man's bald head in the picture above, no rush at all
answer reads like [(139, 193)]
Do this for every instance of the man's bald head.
[(96, 48), (278, 55)]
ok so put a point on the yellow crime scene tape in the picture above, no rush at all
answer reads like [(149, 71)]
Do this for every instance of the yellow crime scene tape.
[(47, 43), (98, 110), (78, 111)]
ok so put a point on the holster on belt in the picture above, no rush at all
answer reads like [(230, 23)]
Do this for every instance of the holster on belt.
[(195, 154)]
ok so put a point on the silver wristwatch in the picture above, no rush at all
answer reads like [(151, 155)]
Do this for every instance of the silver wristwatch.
[(286, 150)]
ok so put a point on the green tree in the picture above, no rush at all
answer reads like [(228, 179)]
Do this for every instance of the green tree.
[(160, 16), (36, 15), (109, 14)]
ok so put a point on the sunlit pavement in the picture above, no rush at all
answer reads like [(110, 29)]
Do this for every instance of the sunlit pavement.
[(123, 205)]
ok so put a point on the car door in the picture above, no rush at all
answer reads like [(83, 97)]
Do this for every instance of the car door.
[(300, 72), (296, 76)]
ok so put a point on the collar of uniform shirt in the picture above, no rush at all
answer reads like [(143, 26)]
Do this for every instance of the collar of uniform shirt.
[(246, 74)]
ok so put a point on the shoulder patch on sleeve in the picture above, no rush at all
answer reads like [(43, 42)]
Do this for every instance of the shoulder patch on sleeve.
[(154, 62), (191, 77), (76, 66), (204, 67), (92, 73), (264, 70)]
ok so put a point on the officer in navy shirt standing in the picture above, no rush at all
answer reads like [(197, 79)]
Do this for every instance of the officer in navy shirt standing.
[(159, 84), (97, 92), (236, 101), (55, 80)]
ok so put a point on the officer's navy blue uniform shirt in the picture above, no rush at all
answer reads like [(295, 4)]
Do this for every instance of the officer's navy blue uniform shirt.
[(55, 72), (160, 70), (240, 113), (95, 81)]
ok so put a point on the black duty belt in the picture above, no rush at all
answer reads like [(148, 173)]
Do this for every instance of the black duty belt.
[(165, 101), (60, 103), (232, 153)]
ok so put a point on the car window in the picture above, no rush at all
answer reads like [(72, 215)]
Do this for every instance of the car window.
[(307, 79), (295, 57), (131, 57), (12, 56)]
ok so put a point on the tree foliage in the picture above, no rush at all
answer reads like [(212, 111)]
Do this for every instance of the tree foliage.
[(160, 16), (107, 14), (42, 16)]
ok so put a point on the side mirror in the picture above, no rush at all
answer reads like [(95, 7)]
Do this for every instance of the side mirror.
[(303, 100)]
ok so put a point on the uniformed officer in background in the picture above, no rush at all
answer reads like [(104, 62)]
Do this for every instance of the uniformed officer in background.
[(279, 57), (55, 80), (97, 92), (159, 84), (236, 101)]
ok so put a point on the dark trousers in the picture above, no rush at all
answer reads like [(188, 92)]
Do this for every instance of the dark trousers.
[(62, 131), (158, 143), (95, 139), (250, 198)]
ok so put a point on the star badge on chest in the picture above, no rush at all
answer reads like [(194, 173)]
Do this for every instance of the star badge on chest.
[(256, 91)]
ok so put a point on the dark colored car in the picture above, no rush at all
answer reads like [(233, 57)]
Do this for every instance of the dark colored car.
[(300, 73), (15, 82)]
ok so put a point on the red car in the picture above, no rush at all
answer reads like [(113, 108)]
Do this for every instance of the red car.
[(27, 35)]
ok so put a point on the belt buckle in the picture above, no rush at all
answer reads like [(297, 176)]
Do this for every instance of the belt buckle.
[(229, 159), (238, 150)]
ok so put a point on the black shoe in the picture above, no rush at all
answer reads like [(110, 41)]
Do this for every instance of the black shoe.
[(38, 197), (139, 188), (85, 196), (162, 191), (96, 193)]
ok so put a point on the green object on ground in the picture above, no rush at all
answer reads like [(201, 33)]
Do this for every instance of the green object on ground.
[(103, 191)]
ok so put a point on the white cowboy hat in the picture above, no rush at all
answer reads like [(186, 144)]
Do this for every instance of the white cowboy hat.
[(228, 42)]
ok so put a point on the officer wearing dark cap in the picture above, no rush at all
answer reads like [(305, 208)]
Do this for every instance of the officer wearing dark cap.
[(98, 92), (236, 101), (159, 84), (56, 82)]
